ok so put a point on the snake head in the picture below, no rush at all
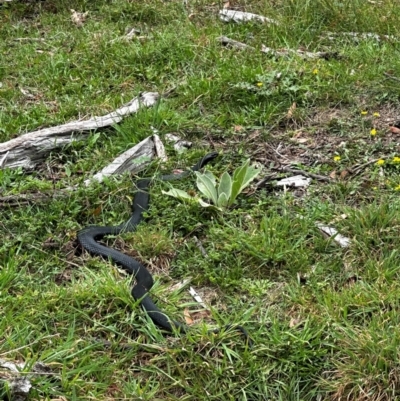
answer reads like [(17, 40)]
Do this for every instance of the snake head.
[(205, 160)]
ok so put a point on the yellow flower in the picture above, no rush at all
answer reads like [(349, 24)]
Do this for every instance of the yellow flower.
[(396, 159), (364, 113), (380, 162), (259, 84), (337, 158), (376, 114), (315, 71), (373, 132), (397, 188)]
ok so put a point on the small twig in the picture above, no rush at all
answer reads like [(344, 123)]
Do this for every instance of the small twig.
[(233, 43), (54, 256), (13, 200), (169, 92), (197, 297), (276, 151), (28, 39), (357, 168), (305, 173), (200, 246), (266, 179), (391, 76), (109, 344), (273, 156)]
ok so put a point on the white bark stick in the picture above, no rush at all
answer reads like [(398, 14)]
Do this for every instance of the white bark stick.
[(240, 16), (133, 160), (30, 149)]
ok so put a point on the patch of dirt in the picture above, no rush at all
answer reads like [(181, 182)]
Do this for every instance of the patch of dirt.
[(157, 265), (323, 135)]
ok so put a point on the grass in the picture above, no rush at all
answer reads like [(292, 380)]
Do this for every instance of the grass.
[(324, 319)]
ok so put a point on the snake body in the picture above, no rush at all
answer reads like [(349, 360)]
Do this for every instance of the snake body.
[(89, 237)]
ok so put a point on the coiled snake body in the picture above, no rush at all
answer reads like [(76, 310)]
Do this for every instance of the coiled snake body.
[(89, 237)]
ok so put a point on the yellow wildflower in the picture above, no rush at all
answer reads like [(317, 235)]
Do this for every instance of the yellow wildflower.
[(364, 113), (337, 158), (376, 114), (373, 132), (396, 159), (397, 188), (380, 162), (315, 71), (259, 84)]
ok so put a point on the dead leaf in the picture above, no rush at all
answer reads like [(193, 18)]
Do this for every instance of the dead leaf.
[(26, 93), (351, 281), (59, 399), (50, 243), (344, 174), (333, 175), (97, 211), (293, 322), (291, 111), (188, 318), (227, 5), (338, 218), (201, 315), (394, 130), (300, 140), (78, 18), (237, 128), (299, 137)]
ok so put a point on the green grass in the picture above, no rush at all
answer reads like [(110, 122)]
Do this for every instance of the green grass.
[(324, 319)]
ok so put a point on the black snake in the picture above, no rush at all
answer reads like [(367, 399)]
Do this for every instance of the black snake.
[(89, 237)]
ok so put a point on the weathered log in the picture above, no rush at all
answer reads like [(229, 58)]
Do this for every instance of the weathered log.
[(234, 43), (30, 149), (133, 160), (240, 16)]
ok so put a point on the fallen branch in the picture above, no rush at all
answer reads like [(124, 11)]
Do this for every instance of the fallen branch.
[(133, 160), (357, 168), (30, 149), (359, 36), (331, 232), (200, 246), (234, 43), (301, 53), (305, 173), (224, 40), (240, 16), (391, 76), (26, 199)]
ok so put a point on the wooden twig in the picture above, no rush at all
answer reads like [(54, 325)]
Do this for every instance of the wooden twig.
[(132, 161), (272, 155), (234, 43), (240, 16), (200, 246), (391, 77), (357, 168), (301, 53), (25, 199), (303, 172)]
